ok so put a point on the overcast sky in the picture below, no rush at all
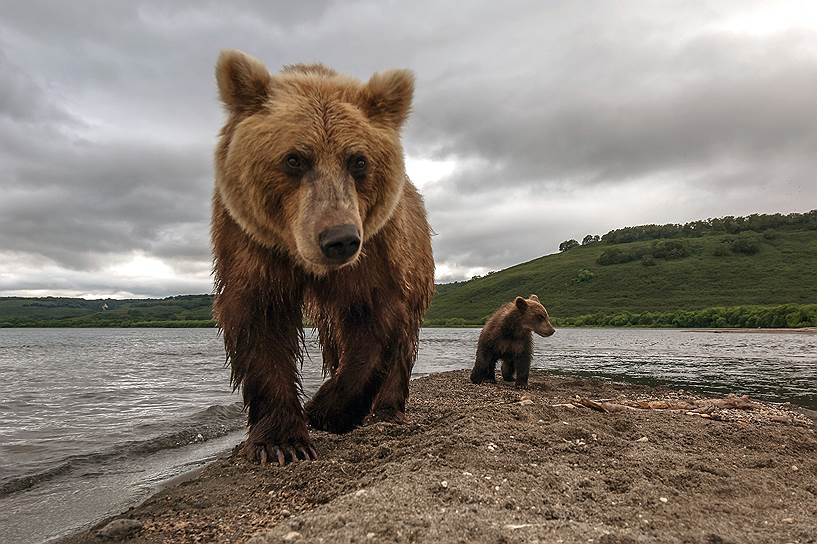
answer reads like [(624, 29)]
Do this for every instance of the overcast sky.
[(533, 122)]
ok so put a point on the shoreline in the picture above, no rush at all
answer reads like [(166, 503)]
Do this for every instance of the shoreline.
[(490, 463), (730, 330)]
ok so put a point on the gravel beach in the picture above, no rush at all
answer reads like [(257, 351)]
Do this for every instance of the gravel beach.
[(491, 463)]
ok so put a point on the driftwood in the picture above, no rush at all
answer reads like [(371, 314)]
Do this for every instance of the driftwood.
[(697, 407)]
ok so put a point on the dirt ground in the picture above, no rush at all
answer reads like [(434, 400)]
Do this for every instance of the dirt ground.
[(494, 464)]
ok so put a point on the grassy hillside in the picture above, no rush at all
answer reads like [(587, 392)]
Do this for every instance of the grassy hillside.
[(573, 283)]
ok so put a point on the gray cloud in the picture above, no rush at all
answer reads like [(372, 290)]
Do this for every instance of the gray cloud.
[(563, 117)]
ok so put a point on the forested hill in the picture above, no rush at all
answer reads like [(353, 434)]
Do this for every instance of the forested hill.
[(691, 275), (754, 271), (178, 311)]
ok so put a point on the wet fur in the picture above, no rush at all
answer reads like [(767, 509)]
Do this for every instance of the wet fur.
[(367, 313)]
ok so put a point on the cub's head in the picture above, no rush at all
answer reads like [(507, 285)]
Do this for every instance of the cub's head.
[(534, 317), (310, 161)]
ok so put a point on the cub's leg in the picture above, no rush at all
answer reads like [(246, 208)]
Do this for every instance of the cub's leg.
[(521, 363), (507, 369), (484, 367)]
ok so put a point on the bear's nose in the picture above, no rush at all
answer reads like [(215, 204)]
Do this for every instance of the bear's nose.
[(339, 243)]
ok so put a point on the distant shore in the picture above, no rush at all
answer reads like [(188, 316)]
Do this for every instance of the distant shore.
[(491, 463), (802, 330)]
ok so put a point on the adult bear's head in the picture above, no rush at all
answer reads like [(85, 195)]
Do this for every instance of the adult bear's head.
[(310, 161)]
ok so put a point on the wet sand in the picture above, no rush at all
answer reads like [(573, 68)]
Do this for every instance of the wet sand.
[(494, 464)]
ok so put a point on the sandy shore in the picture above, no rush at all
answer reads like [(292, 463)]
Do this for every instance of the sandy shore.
[(493, 464)]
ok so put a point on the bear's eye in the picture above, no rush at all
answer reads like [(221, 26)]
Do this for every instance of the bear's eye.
[(358, 166), (294, 163), (540, 318)]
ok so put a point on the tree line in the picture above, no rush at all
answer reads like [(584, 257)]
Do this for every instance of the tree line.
[(721, 225)]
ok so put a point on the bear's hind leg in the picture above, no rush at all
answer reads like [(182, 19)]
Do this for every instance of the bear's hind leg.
[(507, 369), (522, 365), (484, 368)]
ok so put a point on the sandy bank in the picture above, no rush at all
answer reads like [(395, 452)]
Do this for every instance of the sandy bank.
[(485, 464)]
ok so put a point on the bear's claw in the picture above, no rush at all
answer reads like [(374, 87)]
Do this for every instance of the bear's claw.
[(269, 453)]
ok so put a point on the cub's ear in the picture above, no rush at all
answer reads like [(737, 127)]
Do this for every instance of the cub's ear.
[(521, 304), (244, 83), (387, 97), (533, 298)]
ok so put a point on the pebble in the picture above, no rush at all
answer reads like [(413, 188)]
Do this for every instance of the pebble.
[(663, 499), (444, 484), (119, 528), (370, 536), (360, 492), (292, 536), (525, 402), (643, 439)]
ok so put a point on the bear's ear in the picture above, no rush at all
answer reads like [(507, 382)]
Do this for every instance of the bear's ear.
[(533, 298), (244, 83), (387, 97), (521, 304)]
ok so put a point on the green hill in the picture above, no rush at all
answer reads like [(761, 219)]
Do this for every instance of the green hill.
[(661, 277)]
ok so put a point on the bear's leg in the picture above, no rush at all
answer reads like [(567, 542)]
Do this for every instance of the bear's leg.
[(346, 398), (264, 352), (484, 367), (507, 369), (522, 365), (390, 403)]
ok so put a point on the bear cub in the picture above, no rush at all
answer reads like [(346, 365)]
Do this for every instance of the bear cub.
[(507, 336)]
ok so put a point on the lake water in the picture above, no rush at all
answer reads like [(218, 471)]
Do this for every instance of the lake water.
[(93, 420)]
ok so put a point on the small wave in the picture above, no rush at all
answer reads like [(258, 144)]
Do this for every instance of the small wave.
[(212, 422), (19, 483)]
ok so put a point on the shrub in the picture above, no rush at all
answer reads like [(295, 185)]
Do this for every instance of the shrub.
[(648, 260), (721, 250), (770, 234), (744, 245), (584, 275), (669, 249), (615, 256)]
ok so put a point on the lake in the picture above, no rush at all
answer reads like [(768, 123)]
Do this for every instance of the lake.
[(93, 420)]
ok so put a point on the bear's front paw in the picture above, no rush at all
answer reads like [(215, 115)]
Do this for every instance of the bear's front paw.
[(266, 451)]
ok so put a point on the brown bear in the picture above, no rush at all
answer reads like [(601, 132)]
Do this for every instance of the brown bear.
[(507, 336), (314, 217)]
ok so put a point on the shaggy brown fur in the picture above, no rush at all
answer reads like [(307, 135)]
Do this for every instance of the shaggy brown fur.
[(507, 336), (303, 153)]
